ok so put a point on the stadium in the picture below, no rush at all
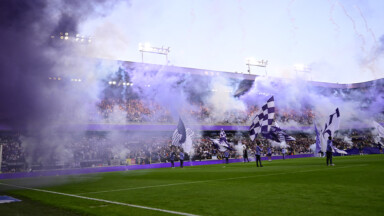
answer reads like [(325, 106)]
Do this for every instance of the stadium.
[(83, 132)]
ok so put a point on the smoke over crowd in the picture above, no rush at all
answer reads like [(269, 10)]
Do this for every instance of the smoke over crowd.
[(48, 84), (35, 96)]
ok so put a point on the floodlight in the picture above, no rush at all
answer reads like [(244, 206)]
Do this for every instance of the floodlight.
[(250, 61), (146, 47)]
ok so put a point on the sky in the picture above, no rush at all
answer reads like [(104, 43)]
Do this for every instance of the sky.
[(337, 41)]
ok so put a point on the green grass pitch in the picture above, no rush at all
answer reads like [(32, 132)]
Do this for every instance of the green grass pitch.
[(354, 186)]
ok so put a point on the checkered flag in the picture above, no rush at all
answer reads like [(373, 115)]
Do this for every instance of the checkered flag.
[(263, 120), (180, 134)]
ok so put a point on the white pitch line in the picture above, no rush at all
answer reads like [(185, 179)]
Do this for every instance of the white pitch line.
[(145, 187), (212, 180), (102, 200)]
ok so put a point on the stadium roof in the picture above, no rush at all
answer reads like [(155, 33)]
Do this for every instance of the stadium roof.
[(238, 75)]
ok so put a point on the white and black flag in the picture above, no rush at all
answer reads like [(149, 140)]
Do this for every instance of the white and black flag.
[(330, 127), (180, 134), (263, 120)]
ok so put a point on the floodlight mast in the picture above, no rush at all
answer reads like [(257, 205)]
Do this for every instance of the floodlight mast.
[(260, 63), (156, 50)]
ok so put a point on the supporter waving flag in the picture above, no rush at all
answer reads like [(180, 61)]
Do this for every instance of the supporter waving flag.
[(180, 134), (331, 126), (221, 144), (223, 136), (263, 120)]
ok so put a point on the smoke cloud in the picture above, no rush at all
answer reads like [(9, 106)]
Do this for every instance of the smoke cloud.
[(38, 69), (47, 83)]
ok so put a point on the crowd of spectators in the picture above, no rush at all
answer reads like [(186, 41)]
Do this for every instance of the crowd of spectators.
[(12, 150), (132, 110), (137, 111), (12, 153), (99, 149)]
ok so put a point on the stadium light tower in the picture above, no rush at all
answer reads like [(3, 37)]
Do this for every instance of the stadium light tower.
[(302, 68), (258, 63), (146, 47)]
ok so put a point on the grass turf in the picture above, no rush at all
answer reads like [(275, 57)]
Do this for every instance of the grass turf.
[(282, 187)]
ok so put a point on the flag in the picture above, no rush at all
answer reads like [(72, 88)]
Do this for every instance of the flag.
[(318, 143), (180, 134), (223, 136), (222, 143), (255, 128), (263, 120), (331, 126), (288, 138), (188, 144), (283, 136), (339, 151), (190, 133), (221, 146), (273, 134), (379, 128), (278, 135)]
